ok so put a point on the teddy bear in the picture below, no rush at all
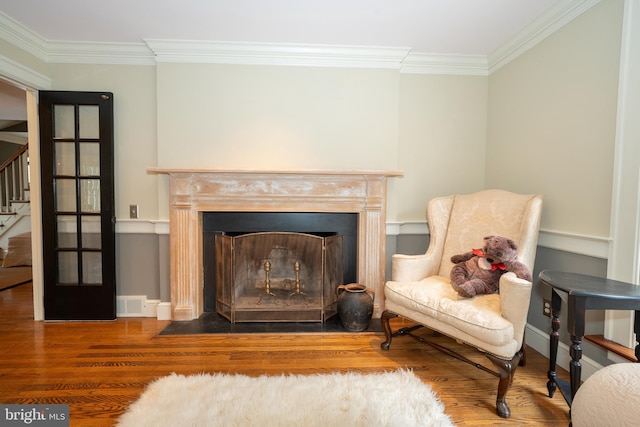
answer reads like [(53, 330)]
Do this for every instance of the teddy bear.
[(478, 272)]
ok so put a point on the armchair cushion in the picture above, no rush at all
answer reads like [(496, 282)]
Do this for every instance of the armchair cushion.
[(435, 304)]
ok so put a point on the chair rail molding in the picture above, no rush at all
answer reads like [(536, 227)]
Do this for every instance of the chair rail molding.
[(580, 244), (593, 246)]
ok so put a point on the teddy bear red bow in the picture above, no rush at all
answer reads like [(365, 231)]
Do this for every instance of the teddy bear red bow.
[(478, 271)]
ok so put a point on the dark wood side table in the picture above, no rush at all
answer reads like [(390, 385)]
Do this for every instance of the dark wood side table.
[(584, 293)]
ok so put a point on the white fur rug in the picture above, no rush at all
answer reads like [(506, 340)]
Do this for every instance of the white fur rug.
[(388, 399)]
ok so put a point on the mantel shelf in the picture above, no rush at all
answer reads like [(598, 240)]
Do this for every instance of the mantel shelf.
[(304, 172)]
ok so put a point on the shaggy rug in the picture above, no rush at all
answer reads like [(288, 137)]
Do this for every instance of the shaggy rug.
[(387, 399)]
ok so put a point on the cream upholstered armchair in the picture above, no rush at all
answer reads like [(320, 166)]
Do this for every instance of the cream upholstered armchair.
[(421, 291)]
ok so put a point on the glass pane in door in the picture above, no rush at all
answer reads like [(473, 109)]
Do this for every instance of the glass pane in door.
[(92, 268), (64, 121), (90, 195), (88, 116), (91, 233), (68, 268), (67, 231), (65, 195), (65, 158), (89, 159)]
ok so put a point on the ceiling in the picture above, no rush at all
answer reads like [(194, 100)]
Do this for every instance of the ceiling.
[(432, 26), (465, 27)]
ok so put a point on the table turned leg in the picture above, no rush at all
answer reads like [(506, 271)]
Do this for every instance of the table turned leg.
[(554, 338), (575, 367), (576, 322), (636, 329)]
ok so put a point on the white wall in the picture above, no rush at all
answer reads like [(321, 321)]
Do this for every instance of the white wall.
[(552, 122), (276, 117), (442, 140)]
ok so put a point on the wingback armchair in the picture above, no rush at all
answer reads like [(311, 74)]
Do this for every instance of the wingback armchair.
[(421, 291)]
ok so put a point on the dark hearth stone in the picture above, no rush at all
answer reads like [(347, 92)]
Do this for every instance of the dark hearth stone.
[(213, 323)]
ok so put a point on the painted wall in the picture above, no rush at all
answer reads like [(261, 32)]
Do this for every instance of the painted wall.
[(552, 122), (442, 140), (276, 117)]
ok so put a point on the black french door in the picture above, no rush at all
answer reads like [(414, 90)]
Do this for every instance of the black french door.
[(78, 219)]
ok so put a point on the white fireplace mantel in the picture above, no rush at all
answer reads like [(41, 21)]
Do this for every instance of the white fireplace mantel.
[(194, 191)]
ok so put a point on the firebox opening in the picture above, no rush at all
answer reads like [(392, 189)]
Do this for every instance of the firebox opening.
[(235, 224)]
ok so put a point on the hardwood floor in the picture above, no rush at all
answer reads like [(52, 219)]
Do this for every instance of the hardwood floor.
[(99, 368)]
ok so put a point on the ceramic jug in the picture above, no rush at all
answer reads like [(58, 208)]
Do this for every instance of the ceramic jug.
[(355, 306)]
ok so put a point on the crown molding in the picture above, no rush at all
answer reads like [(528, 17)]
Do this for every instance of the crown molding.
[(425, 63), (72, 52), (542, 27), (153, 51), (22, 76), (277, 54), (22, 37), (100, 53)]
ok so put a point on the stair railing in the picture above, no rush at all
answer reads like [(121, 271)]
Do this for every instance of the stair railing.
[(14, 178)]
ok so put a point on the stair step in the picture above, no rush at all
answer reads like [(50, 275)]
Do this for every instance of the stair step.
[(614, 347)]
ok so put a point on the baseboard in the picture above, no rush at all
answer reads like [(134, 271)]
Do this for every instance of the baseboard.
[(539, 341)]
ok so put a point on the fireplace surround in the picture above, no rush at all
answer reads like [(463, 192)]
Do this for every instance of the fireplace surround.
[(192, 192)]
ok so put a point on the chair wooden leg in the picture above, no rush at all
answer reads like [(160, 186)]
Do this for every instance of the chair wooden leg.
[(523, 359), (506, 370), (386, 327)]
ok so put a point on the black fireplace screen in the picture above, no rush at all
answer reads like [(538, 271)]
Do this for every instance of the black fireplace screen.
[(278, 276)]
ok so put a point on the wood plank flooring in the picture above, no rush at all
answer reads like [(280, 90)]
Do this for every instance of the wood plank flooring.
[(99, 368)]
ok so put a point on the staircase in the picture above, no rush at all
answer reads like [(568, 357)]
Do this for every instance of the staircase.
[(15, 209)]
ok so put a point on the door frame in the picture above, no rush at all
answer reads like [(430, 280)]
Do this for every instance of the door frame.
[(624, 251), (37, 268), (31, 82)]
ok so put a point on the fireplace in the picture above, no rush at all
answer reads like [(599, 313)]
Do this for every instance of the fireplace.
[(194, 192), (277, 276)]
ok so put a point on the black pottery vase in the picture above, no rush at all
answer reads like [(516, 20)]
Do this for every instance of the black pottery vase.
[(355, 306)]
